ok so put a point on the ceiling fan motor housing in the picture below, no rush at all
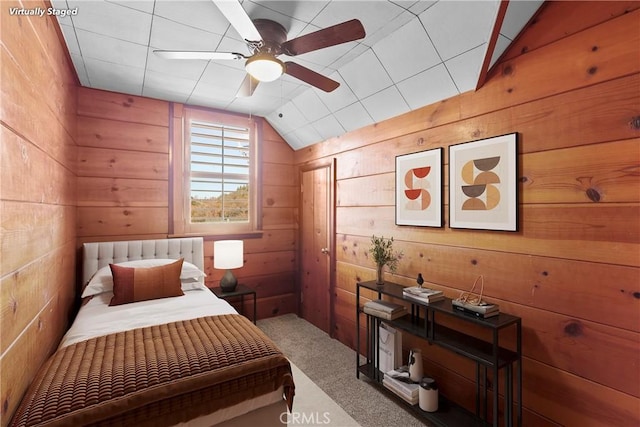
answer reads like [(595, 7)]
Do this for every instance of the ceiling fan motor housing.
[(273, 36)]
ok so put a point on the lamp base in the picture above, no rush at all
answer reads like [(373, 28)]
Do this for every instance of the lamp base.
[(228, 282)]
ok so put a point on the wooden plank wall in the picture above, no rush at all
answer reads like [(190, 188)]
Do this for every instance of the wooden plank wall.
[(37, 197), (123, 190), (571, 88)]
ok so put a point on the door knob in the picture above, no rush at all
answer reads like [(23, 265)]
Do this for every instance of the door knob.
[(324, 250)]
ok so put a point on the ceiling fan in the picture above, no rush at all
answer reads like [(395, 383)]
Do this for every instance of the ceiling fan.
[(266, 40)]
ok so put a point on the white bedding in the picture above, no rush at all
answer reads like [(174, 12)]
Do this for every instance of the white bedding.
[(97, 318)]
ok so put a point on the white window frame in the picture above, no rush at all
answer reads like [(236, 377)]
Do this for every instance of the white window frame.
[(180, 173)]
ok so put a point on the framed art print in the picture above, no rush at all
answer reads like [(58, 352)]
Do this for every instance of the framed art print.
[(419, 188), (483, 184)]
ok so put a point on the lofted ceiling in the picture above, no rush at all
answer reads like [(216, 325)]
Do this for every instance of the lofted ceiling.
[(414, 53)]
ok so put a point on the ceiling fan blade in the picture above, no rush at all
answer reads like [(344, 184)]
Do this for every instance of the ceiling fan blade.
[(247, 87), (238, 18), (194, 54), (309, 76), (341, 33)]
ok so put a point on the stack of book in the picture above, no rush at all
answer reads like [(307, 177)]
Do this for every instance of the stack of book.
[(399, 383), (482, 310), (384, 309), (424, 295)]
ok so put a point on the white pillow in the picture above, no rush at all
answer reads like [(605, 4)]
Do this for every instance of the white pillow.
[(102, 281)]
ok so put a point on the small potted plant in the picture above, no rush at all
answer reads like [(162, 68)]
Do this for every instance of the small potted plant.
[(384, 255)]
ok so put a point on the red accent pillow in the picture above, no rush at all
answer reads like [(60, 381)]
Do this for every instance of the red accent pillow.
[(142, 284)]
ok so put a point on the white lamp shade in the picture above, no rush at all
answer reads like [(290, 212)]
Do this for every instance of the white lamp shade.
[(264, 68), (228, 254)]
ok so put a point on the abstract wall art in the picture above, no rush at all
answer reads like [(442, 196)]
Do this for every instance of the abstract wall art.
[(483, 184), (419, 188)]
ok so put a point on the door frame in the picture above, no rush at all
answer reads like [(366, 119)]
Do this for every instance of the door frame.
[(331, 230)]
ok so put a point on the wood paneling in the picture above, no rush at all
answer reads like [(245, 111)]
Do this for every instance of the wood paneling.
[(37, 197), (572, 270), (124, 189)]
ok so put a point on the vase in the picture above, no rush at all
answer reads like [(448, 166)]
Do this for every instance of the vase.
[(379, 278)]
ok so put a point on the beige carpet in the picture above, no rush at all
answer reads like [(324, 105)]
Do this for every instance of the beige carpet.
[(331, 366), (313, 407)]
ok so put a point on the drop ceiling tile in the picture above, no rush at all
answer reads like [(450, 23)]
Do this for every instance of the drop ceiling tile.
[(114, 77), (340, 97), (328, 127), (283, 88), (420, 6), (167, 87), (517, 16), (221, 75), (501, 45), (311, 106), (143, 6), (365, 75), (70, 39), (353, 117), (293, 140), (112, 20), (465, 68), (303, 10), (209, 95), (107, 49), (403, 59), (389, 28), (81, 71), (170, 35), (199, 14), (291, 119), (254, 105), (356, 51), (183, 68), (458, 26), (428, 87), (385, 104), (307, 135)]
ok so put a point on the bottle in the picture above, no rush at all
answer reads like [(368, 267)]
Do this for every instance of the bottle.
[(415, 364), (428, 395)]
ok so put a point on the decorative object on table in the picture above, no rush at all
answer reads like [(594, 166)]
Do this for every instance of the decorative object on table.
[(228, 254), (389, 347), (401, 385), (384, 309), (483, 184), (384, 255), (419, 188), (415, 364), (420, 294), (419, 280), (472, 302), (428, 395)]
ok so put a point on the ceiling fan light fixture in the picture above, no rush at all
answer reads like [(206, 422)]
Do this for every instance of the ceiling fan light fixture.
[(264, 67)]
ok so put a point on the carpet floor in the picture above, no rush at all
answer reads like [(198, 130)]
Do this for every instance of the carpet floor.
[(331, 366)]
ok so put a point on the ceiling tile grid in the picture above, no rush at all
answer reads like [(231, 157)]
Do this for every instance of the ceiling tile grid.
[(414, 53)]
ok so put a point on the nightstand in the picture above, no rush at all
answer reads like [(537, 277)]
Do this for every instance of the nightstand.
[(240, 291)]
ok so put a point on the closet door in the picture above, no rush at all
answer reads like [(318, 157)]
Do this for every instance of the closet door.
[(317, 258)]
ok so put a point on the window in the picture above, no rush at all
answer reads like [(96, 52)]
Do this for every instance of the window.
[(214, 174)]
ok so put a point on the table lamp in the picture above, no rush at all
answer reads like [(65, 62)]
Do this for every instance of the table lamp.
[(228, 254)]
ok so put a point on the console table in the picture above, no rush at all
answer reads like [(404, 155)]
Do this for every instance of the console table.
[(423, 321)]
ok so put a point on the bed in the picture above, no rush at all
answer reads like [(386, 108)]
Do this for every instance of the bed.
[(187, 360)]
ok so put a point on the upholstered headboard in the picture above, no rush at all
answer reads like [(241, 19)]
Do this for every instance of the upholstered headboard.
[(101, 254)]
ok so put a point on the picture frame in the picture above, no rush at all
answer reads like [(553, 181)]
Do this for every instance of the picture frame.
[(483, 187), (419, 188)]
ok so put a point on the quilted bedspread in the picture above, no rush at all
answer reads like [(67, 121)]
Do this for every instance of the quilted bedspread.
[(155, 376)]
